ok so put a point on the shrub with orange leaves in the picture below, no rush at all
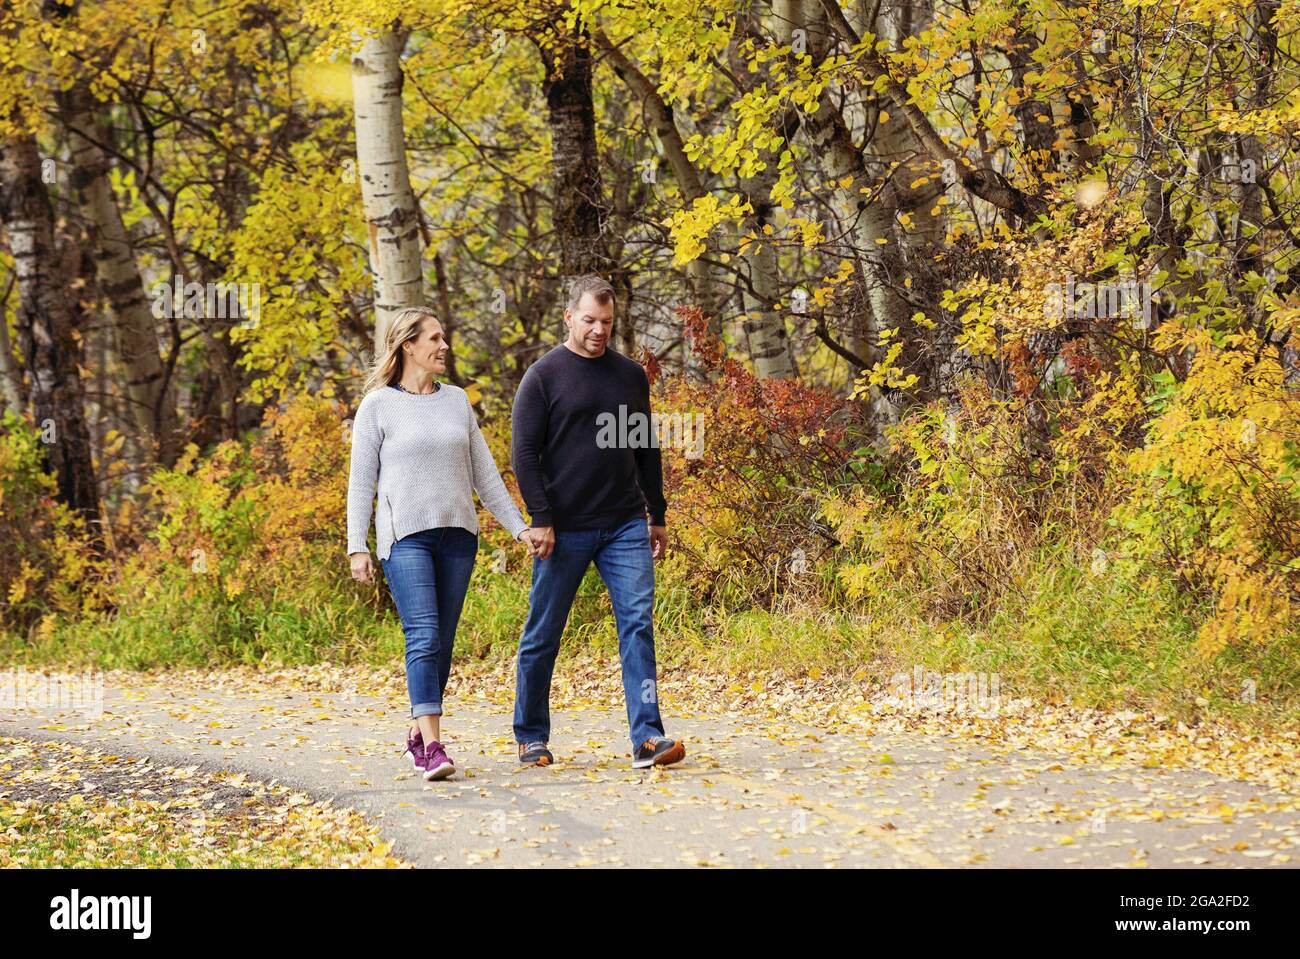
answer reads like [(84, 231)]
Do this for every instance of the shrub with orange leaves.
[(246, 551), (744, 497), (247, 542), (48, 566)]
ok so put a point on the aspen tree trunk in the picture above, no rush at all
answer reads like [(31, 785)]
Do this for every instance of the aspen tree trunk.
[(45, 329), (764, 325), (659, 115), (389, 202), (149, 391), (10, 379), (580, 210), (866, 199), (868, 219)]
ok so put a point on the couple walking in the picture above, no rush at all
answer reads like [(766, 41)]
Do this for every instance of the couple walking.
[(416, 443)]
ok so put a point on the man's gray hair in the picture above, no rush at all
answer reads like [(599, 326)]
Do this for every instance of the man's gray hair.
[(596, 285)]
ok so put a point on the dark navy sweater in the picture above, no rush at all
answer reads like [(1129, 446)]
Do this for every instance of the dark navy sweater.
[(568, 478)]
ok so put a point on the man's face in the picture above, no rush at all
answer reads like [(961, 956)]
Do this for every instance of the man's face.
[(590, 325)]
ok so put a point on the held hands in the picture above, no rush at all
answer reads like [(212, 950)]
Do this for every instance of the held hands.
[(540, 541)]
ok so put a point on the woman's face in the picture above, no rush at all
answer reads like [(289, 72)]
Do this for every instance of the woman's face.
[(428, 350)]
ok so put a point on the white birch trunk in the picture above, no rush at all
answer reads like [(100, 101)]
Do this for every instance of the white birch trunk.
[(150, 393), (390, 206)]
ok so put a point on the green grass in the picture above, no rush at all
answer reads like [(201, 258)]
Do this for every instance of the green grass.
[(179, 630), (1065, 636), (1069, 637)]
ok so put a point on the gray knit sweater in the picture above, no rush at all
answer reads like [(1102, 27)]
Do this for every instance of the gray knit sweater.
[(425, 456)]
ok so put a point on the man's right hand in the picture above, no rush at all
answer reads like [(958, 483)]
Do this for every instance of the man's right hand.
[(543, 540), (362, 571)]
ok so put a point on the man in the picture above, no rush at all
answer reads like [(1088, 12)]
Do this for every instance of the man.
[(588, 499)]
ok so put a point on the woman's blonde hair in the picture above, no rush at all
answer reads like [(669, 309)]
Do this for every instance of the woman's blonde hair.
[(388, 362)]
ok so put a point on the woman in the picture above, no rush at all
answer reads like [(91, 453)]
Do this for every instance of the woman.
[(417, 442)]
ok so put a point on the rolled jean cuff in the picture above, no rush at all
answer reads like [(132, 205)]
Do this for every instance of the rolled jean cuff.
[(426, 709)]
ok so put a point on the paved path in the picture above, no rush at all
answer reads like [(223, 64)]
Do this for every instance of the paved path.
[(788, 796)]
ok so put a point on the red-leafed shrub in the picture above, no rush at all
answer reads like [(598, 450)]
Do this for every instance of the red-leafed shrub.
[(744, 495)]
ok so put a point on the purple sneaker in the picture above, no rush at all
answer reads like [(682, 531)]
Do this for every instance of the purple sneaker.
[(415, 750), (437, 764)]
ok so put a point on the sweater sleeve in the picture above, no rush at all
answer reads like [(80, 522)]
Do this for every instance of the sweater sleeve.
[(363, 475), (528, 435), (649, 464), (487, 480)]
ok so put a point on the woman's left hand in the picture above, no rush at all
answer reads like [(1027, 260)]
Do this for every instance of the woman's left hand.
[(362, 570)]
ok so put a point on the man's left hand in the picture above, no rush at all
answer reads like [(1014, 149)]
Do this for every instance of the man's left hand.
[(658, 541)]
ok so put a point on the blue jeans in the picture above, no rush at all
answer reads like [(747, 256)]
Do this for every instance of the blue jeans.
[(428, 573), (623, 559)]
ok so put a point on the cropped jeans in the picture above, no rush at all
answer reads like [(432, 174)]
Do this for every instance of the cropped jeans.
[(623, 558), (428, 573)]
